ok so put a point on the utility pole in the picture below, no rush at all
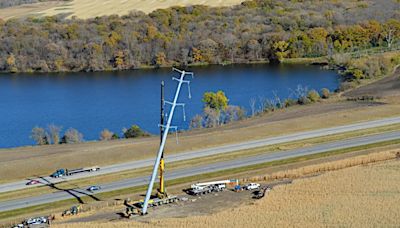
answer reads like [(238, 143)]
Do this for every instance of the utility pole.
[(161, 191), (166, 129)]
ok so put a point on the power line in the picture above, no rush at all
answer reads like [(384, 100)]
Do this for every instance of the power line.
[(166, 130)]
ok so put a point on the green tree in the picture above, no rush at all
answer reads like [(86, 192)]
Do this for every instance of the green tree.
[(134, 132), (217, 101)]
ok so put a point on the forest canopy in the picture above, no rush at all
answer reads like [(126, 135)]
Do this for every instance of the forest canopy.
[(253, 31)]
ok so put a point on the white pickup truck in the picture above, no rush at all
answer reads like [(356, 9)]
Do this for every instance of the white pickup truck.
[(252, 186)]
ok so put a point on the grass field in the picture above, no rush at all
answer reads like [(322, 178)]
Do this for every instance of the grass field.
[(361, 196), (93, 8), (19, 163), (281, 148)]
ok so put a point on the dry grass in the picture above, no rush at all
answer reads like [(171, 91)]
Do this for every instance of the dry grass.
[(93, 8), (23, 162), (330, 166), (360, 196)]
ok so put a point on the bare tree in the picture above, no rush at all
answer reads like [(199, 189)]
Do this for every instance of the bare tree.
[(299, 92), (211, 117), (262, 102), (233, 113), (252, 103), (72, 136), (196, 122), (54, 133), (277, 100), (106, 135), (40, 136), (391, 31)]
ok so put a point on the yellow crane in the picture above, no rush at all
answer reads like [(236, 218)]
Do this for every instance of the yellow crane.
[(161, 192)]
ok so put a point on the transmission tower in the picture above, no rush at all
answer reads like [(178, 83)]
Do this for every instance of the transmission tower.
[(165, 131)]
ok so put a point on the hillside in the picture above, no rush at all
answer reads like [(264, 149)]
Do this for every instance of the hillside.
[(89, 8), (254, 31)]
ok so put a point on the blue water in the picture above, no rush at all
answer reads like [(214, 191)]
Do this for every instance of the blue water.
[(91, 102)]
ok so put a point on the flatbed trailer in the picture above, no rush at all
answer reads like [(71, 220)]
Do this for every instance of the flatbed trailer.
[(135, 208), (69, 172)]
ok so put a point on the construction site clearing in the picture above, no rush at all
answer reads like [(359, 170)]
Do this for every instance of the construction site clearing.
[(200, 198), (187, 204)]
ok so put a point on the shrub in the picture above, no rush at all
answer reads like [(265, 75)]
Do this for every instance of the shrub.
[(106, 135), (114, 136), (325, 93), (303, 100), (313, 96), (135, 132), (289, 102)]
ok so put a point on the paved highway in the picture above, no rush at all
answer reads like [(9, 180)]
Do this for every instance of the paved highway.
[(242, 162), (212, 151)]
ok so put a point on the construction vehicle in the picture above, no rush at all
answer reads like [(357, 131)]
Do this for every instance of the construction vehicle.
[(162, 196), (135, 208), (209, 187), (262, 192), (67, 172), (161, 191), (74, 210)]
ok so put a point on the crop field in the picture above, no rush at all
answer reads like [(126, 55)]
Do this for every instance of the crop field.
[(360, 196), (93, 8)]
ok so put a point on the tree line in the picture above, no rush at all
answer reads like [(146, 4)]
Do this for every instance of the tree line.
[(217, 111), (253, 31), (51, 135)]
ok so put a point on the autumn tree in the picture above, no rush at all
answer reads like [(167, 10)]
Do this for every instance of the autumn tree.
[(391, 31), (54, 133), (72, 136), (106, 135), (217, 101), (280, 51), (40, 136), (160, 59), (11, 63)]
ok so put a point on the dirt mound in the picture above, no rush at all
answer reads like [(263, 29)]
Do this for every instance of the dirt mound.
[(389, 86)]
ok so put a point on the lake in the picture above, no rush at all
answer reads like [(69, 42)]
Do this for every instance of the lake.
[(91, 102)]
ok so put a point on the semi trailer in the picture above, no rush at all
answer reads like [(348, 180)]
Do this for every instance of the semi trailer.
[(68, 172)]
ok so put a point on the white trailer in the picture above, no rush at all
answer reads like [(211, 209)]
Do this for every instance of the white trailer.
[(208, 187)]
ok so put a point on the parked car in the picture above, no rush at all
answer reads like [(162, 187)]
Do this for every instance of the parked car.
[(32, 182), (252, 186), (93, 188)]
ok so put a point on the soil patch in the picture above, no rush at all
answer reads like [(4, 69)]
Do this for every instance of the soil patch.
[(389, 86)]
